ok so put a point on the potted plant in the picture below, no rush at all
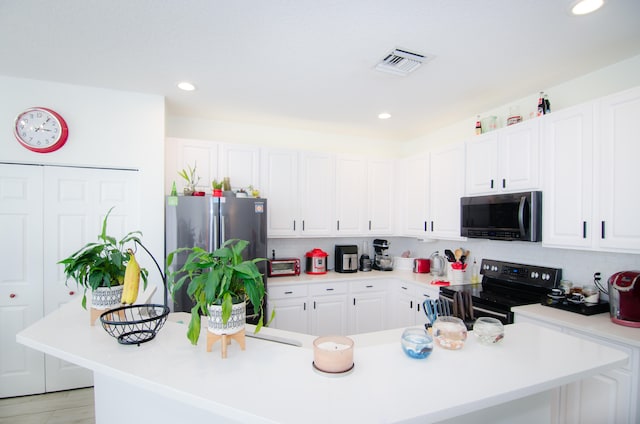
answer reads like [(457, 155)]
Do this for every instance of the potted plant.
[(100, 267), (217, 188), (220, 283), (191, 178)]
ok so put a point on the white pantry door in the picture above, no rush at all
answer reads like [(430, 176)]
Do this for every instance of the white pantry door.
[(21, 368), (75, 203)]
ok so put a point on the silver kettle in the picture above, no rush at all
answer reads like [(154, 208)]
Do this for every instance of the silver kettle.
[(438, 264)]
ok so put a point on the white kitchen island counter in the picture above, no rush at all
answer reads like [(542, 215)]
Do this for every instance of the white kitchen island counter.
[(168, 380)]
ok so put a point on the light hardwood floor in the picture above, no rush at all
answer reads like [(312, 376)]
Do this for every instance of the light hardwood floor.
[(68, 407)]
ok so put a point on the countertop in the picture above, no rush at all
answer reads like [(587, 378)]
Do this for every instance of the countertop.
[(330, 276), (596, 325), (275, 382)]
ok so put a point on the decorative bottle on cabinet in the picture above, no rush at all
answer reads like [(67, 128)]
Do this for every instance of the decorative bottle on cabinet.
[(478, 126)]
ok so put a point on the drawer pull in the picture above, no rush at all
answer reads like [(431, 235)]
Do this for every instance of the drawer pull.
[(71, 293), (288, 292), (12, 295), (369, 286), (329, 289)]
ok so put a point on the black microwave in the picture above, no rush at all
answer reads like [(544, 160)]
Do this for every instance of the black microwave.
[(509, 216)]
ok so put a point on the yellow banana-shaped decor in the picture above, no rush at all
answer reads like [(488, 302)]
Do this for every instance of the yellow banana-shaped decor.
[(131, 280)]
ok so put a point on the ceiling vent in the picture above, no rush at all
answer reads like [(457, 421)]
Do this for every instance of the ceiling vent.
[(401, 62)]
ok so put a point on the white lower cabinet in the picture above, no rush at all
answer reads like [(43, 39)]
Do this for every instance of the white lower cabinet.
[(328, 304), (290, 306), (408, 303), (615, 392), (346, 307)]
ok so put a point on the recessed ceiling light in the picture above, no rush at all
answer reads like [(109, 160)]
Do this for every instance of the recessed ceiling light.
[(384, 115), (583, 7), (186, 86)]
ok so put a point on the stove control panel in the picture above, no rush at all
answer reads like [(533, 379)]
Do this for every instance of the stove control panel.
[(520, 273)]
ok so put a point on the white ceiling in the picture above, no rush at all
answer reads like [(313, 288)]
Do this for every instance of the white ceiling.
[(309, 64)]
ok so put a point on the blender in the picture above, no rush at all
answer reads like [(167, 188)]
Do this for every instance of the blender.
[(382, 261)]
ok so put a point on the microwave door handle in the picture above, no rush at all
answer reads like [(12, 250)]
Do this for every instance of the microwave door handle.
[(523, 200)]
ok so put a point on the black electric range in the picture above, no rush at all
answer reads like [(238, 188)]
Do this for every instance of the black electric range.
[(504, 285)]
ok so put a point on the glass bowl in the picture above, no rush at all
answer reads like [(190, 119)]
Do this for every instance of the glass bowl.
[(488, 330), (416, 343), (449, 332)]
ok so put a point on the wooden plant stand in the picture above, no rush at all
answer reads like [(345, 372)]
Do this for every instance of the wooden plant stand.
[(225, 341)]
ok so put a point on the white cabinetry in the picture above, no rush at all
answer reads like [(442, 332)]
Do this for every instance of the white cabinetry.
[(381, 201), (446, 188), (182, 153), (317, 173), (414, 173), (504, 160), (241, 164), (328, 303), (48, 213), (615, 391), (568, 177), (590, 152), (351, 195), (616, 154), (290, 306), (368, 306), (408, 298), (280, 186)]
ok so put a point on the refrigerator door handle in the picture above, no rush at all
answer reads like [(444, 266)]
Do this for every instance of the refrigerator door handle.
[(213, 241), (223, 239)]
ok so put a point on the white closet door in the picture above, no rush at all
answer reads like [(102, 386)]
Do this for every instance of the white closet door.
[(21, 368), (76, 201)]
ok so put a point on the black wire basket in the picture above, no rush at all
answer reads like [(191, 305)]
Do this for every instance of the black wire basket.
[(136, 324)]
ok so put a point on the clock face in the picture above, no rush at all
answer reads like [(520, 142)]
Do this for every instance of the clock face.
[(41, 130)]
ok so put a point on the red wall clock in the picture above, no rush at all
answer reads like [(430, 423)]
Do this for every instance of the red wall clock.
[(41, 130)]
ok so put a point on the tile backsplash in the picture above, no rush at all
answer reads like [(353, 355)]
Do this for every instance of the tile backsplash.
[(577, 266)]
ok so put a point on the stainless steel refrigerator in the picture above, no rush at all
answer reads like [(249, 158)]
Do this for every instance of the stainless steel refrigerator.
[(208, 222)]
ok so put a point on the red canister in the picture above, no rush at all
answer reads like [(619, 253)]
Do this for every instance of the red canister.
[(316, 261), (421, 266)]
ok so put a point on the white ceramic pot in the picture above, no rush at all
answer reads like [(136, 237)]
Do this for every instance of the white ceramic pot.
[(106, 297), (236, 320)]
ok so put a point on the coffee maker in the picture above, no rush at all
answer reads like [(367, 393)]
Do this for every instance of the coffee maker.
[(382, 261), (346, 258)]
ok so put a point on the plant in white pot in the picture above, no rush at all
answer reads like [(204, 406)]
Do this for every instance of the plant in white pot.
[(100, 267), (220, 283)]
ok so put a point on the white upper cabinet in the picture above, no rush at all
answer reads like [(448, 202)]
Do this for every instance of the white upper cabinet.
[(616, 155), (505, 160), (241, 164), (567, 137), (182, 153), (414, 190), (317, 197), (446, 188), (351, 195), (381, 201), (279, 184)]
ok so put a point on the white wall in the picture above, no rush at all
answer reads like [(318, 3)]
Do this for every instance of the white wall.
[(107, 128)]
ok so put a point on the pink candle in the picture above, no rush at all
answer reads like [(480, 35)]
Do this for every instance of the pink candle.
[(333, 353)]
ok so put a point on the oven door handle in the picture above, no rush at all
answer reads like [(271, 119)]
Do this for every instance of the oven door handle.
[(494, 313), (523, 201)]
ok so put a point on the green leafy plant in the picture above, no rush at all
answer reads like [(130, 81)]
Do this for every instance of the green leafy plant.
[(189, 175), (217, 278), (216, 185), (101, 264)]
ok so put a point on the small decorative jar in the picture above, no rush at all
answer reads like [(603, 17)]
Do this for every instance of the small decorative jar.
[(488, 330), (449, 332), (416, 343)]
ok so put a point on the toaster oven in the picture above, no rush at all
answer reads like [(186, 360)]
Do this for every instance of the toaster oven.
[(284, 267)]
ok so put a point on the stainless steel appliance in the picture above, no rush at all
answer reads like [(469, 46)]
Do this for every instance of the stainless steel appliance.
[(624, 298), (504, 285), (382, 261), (208, 222), (346, 258), (316, 261), (284, 267), (512, 216)]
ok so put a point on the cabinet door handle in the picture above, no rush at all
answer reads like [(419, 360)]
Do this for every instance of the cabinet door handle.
[(418, 305), (12, 295), (431, 225), (584, 229), (354, 301), (602, 229), (330, 289), (492, 183), (294, 225), (71, 293), (404, 288), (369, 225), (369, 286), (338, 225), (303, 225), (411, 304), (504, 183), (314, 304), (425, 226), (304, 306)]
